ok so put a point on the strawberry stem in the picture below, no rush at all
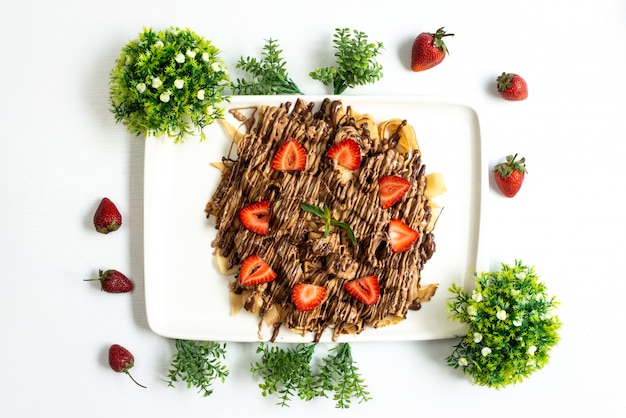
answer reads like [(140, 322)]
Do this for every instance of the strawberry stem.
[(133, 379), (438, 39)]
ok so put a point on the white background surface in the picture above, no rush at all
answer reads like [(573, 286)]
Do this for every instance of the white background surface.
[(62, 152)]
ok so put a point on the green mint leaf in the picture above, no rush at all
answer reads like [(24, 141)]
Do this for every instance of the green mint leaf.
[(346, 228), (315, 210)]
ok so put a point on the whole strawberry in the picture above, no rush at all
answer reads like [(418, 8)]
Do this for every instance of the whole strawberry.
[(512, 87), (107, 218), (509, 175), (121, 360), (428, 50), (112, 281)]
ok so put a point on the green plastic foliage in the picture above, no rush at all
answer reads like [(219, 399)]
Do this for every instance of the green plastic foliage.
[(168, 83), (512, 326)]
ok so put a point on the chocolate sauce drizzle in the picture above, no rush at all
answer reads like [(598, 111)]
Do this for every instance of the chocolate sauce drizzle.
[(295, 247)]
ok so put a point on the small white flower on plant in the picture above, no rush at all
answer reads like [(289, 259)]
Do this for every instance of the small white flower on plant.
[(180, 58), (517, 322), (485, 351), (141, 87), (165, 97), (472, 311), (216, 67), (477, 296), (501, 315), (532, 350), (205, 56), (200, 95), (159, 43), (463, 362), (179, 83), (478, 337), (156, 82), (191, 54), (520, 275)]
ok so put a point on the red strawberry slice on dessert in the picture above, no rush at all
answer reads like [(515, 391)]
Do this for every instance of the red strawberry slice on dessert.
[(347, 153), (366, 289), (401, 236), (256, 217), (291, 155), (391, 189), (306, 296), (255, 271)]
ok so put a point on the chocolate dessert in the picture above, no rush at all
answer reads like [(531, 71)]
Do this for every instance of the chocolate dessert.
[(300, 247)]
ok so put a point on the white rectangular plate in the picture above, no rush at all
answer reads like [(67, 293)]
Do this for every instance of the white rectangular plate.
[(187, 298)]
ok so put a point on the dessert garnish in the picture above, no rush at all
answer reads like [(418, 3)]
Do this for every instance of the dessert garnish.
[(325, 215)]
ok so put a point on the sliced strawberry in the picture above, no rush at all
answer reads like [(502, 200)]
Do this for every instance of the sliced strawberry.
[(307, 296), (256, 217), (347, 153), (255, 271), (391, 189), (290, 156), (401, 236), (366, 289)]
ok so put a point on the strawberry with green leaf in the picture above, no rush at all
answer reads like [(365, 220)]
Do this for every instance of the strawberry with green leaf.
[(429, 50), (113, 281), (121, 360), (512, 87), (509, 175), (107, 217)]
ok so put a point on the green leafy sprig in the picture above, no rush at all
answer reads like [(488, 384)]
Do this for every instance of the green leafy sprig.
[(356, 62), (339, 374), (512, 326), (199, 364), (168, 82), (288, 372), (269, 74), (325, 215)]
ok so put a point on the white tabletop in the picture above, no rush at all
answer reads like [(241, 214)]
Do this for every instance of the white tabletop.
[(62, 152)]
